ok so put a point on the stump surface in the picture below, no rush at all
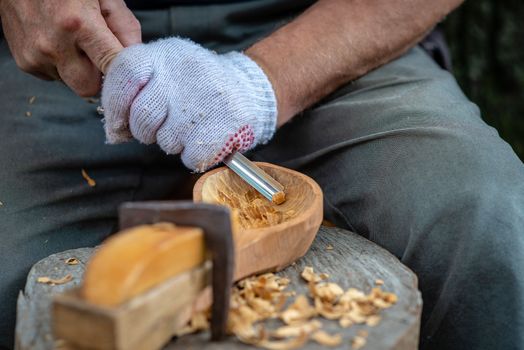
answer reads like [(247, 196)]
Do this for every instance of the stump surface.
[(353, 262)]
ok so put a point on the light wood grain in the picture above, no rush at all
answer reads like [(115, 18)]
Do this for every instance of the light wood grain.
[(138, 258), (274, 247)]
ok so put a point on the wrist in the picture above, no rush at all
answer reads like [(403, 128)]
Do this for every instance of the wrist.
[(286, 109), (259, 91)]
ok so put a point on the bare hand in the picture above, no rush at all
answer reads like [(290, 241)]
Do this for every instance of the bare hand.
[(68, 40)]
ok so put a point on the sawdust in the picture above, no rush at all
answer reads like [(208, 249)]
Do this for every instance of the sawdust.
[(32, 99), (53, 281), (258, 299)]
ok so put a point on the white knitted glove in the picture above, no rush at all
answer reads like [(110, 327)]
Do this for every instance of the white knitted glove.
[(188, 100)]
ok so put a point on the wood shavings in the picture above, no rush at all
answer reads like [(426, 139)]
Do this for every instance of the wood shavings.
[(299, 311), (326, 291), (309, 275), (379, 282), (373, 320), (72, 261), (253, 210), (53, 282), (297, 330), (28, 114), (292, 343), (32, 99), (329, 247), (358, 342), (279, 197), (90, 181), (1, 203), (260, 298), (345, 322), (324, 338)]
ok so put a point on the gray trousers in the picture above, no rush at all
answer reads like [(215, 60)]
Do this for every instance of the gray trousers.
[(403, 158)]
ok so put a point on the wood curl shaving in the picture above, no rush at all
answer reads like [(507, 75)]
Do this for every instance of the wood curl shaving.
[(324, 338), (90, 181), (257, 299)]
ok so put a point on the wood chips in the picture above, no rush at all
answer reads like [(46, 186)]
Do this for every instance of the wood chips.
[(90, 181), (55, 281), (252, 209), (258, 299)]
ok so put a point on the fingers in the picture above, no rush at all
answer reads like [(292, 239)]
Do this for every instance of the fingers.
[(79, 73), (130, 73), (99, 43), (121, 22), (148, 113)]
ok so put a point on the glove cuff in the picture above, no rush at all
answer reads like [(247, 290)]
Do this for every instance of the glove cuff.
[(263, 95)]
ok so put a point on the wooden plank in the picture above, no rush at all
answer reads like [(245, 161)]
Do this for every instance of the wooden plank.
[(353, 262)]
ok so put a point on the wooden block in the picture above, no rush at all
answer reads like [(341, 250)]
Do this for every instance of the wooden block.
[(134, 260), (148, 321)]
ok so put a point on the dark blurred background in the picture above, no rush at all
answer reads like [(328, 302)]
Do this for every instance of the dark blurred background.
[(486, 38)]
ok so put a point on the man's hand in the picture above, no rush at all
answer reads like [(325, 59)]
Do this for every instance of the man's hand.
[(189, 100), (70, 40)]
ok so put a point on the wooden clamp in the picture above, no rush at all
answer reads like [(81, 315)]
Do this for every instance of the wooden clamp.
[(143, 257)]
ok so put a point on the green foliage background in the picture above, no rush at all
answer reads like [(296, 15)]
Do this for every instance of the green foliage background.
[(486, 38)]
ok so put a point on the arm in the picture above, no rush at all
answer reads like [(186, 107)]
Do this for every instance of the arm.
[(205, 106), (336, 41)]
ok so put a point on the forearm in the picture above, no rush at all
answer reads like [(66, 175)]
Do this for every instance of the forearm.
[(336, 41)]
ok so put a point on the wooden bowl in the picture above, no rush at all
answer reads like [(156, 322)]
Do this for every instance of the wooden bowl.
[(268, 237)]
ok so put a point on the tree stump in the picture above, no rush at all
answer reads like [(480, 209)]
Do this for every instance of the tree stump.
[(352, 262)]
